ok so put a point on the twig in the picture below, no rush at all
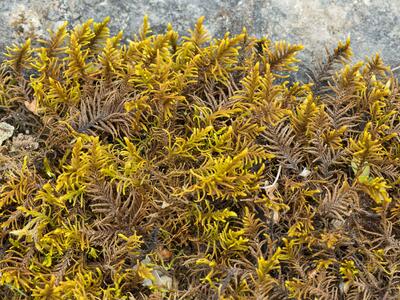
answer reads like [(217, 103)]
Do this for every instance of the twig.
[(273, 185), (395, 69)]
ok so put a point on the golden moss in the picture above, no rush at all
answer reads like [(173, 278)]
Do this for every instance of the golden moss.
[(195, 168)]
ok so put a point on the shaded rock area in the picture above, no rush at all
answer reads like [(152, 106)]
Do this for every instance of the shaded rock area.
[(373, 25)]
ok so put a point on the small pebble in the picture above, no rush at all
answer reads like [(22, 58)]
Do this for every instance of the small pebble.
[(6, 131)]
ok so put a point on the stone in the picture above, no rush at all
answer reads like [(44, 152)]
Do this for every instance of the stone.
[(373, 25), (6, 131)]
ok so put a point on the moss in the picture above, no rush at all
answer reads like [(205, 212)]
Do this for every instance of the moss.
[(195, 168)]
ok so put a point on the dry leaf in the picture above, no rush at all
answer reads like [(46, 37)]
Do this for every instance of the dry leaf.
[(32, 106)]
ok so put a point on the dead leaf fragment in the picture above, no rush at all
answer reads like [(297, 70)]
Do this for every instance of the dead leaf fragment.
[(32, 106)]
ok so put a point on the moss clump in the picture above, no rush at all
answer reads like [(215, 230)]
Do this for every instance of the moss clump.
[(191, 168)]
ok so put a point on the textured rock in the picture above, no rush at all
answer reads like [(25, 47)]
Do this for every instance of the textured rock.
[(374, 25), (6, 131)]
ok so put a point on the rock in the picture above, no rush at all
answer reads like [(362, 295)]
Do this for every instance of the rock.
[(23, 143), (374, 25), (6, 131)]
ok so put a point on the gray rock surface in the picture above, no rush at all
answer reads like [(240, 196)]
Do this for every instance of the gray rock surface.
[(6, 131), (374, 25)]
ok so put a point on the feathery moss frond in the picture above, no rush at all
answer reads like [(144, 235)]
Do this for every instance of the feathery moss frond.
[(196, 168)]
